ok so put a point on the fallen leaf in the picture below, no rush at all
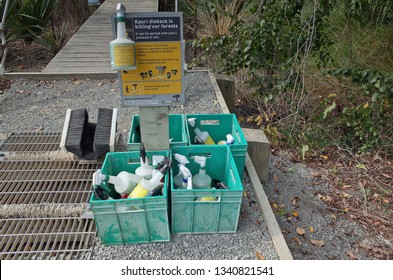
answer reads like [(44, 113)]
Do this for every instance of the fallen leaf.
[(317, 243), (295, 200), (259, 256), (250, 119), (281, 212), (297, 240), (295, 213), (300, 231), (275, 206), (240, 119), (351, 255), (324, 157), (361, 166), (311, 229), (245, 194), (346, 186), (345, 195), (258, 120), (291, 169), (259, 222), (316, 174), (77, 82), (275, 178)]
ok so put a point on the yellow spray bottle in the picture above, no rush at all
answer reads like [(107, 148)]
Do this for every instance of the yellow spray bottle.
[(122, 49)]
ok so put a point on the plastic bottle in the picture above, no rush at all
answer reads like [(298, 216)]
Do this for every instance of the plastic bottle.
[(122, 49), (144, 187), (145, 170), (230, 140), (100, 193), (204, 136), (156, 159), (123, 183), (201, 180), (186, 175), (178, 179)]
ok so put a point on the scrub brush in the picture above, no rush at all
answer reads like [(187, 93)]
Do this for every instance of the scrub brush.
[(77, 133), (104, 138)]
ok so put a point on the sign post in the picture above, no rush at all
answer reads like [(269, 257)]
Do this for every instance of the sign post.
[(158, 80)]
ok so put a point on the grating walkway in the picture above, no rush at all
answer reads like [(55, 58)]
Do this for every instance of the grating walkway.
[(20, 142), (45, 181), (46, 238)]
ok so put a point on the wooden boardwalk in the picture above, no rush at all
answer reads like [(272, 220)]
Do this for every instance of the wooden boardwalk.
[(86, 54)]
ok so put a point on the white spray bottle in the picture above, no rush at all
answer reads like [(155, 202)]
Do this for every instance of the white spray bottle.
[(122, 49), (156, 159), (123, 183), (204, 136), (145, 170), (186, 174), (201, 180), (178, 179)]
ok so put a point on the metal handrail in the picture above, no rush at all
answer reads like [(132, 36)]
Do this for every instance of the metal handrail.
[(3, 41)]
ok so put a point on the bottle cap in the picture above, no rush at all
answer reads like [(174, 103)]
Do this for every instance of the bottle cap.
[(200, 160), (142, 153), (181, 159), (191, 121), (230, 139)]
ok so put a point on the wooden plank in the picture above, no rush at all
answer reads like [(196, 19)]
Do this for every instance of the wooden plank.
[(89, 46)]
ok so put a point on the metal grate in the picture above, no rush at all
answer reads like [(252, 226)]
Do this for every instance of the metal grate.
[(46, 238), (32, 142), (45, 181)]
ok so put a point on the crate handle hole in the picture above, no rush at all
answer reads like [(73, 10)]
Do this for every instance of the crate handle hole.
[(193, 155), (133, 160), (210, 122)]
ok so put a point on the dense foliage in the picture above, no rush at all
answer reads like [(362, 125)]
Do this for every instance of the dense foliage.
[(290, 48)]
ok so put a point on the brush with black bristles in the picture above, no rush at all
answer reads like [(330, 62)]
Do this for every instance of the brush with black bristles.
[(75, 134), (104, 138)]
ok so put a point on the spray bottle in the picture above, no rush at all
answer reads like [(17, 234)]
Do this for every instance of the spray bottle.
[(122, 49), (145, 170), (123, 183), (201, 180), (204, 136), (230, 140), (178, 179), (156, 159), (186, 177), (146, 186)]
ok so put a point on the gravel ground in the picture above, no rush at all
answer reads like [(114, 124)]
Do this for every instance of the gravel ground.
[(41, 106)]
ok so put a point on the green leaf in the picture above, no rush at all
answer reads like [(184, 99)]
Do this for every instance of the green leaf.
[(328, 110), (361, 166), (304, 150)]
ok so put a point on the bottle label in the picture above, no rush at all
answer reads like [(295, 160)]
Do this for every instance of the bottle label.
[(124, 55), (209, 141), (138, 192)]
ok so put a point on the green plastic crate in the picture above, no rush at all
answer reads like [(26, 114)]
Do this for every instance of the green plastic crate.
[(177, 132), (126, 221), (218, 126), (197, 217)]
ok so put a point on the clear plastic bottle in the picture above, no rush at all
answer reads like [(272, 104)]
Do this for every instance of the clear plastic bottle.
[(201, 180), (146, 186), (204, 136), (186, 175), (122, 49), (145, 170), (156, 159), (178, 179)]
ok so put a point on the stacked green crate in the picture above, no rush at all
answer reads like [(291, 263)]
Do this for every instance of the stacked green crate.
[(218, 126), (177, 132), (126, 221), (189, 215)]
